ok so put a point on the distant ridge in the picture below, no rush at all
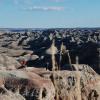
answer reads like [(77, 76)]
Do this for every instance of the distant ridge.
[(37, 29), (19, 29)]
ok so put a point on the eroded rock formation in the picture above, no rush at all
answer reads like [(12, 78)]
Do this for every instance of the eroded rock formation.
[(25, 60), (36, 84)]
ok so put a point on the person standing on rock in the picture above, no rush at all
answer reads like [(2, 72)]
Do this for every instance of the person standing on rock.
[(23, 64)]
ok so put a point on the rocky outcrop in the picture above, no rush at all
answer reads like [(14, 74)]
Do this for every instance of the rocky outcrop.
[(39, 84), (8, 63), (21, 77), (14, 53), (29, 85), (83, 43), (8, 95), (82, 84)]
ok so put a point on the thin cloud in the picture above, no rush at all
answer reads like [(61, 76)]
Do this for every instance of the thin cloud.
[(28, 5), (57, 0), (38, 8)]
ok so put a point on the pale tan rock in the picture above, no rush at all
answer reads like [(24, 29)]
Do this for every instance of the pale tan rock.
[(7, 62), (13, 52), (83, 84), (27, 84)]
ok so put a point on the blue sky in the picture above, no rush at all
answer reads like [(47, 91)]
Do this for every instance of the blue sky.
[(49, 13)]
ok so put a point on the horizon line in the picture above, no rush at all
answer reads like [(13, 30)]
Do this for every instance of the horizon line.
[(42, 27)]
